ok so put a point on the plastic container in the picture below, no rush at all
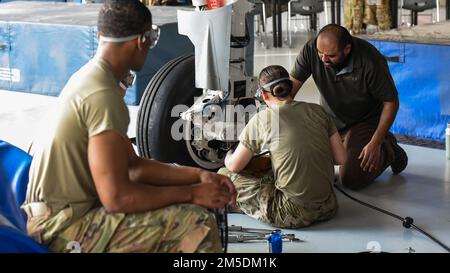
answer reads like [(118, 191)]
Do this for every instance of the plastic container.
[(275, 243), (447, 141)]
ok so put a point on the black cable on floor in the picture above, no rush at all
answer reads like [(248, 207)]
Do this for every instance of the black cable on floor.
[(407, 222), (221, 216)]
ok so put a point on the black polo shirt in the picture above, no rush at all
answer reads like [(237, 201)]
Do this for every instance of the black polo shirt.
[(355, 93)]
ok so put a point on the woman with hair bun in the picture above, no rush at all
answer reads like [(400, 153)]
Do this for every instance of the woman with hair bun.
[(295, 189)]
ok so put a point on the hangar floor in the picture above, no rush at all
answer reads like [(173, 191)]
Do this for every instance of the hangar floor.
[(422, 191)]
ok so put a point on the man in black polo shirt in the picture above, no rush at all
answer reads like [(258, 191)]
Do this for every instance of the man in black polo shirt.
[(357, 90)]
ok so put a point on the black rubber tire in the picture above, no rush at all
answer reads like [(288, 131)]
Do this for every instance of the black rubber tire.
[(173, 84)]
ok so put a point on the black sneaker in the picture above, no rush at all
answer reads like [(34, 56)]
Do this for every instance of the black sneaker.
[(401, 158)]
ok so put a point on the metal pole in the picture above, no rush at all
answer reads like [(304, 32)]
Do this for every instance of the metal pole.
[(338, 12), (289, 27), (414, 16), (314, 22), (333, 11), (394, 13), (274, 22), (438, 10), (447, 9), (280, 38)]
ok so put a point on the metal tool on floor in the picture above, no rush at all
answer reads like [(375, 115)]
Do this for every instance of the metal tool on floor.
[(239, 234)]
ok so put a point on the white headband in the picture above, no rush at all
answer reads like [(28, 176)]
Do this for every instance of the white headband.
[(117, 40)]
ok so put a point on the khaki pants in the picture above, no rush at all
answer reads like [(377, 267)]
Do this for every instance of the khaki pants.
[(258, 198)]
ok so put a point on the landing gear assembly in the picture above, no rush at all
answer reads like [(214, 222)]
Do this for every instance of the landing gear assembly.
[(194, 108)]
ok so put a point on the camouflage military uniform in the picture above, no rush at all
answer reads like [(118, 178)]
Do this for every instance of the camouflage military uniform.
[(177, 228), (353, 15), (373, 12), (259, 198), (383, 15)]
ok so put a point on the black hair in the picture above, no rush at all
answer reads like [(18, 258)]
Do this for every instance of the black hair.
[(122, 18), (274, 72), (341, 33)]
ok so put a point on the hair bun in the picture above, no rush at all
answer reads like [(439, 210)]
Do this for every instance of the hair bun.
[(282, 89)]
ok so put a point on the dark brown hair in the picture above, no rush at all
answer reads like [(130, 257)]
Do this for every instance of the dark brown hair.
[(274, 72), (339, 32)]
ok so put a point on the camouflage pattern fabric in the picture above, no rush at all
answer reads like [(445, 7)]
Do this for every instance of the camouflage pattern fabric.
[(177, 228), (373, 12), (370, 17), (383, 15), (259, 198), (353, 15)]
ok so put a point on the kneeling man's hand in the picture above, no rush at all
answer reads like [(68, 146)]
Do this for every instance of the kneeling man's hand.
[(370, 156)]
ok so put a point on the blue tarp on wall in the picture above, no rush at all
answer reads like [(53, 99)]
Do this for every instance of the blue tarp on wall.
[(40, 58), (422, 76), (46, 55)]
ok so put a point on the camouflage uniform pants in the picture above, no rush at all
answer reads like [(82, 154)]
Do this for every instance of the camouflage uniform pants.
[(353, 15), (177, 228), (260, 199), (383, 14), (373, 12)]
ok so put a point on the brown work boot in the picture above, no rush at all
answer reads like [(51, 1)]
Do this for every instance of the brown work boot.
[(400, 158)]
